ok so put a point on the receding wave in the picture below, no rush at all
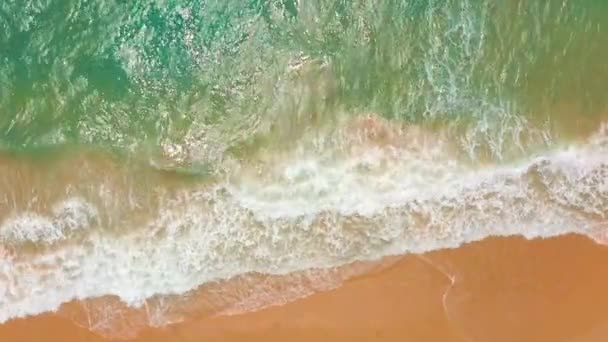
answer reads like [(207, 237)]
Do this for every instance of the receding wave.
[(297, 214)]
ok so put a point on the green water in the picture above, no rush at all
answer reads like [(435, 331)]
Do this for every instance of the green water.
[(134, 75)]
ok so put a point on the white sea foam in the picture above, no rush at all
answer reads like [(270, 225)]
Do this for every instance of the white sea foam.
[(29, 227), (66, 218), (309, 211)]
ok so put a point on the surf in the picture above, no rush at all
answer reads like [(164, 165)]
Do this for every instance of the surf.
[(293, 213)]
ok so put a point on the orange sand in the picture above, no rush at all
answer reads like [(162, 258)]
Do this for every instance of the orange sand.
[(505, 289)]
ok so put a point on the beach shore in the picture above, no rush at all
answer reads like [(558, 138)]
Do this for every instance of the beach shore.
[(498, 289)]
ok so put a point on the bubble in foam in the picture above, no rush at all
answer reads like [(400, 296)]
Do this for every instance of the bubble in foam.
[(75, 214), (30, 227), (66, 217)]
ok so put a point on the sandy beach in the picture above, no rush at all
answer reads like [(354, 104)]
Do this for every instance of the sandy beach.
[(498, 289)]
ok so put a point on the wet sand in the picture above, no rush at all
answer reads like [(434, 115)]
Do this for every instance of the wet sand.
[(503, 289)]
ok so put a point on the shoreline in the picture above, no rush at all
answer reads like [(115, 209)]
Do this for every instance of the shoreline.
[(504, 289)]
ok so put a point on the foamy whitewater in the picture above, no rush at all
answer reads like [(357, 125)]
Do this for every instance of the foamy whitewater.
[(304, 212), (163, 158)]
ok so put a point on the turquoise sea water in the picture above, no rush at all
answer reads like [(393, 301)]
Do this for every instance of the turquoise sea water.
[(150, 148), (132, 74)]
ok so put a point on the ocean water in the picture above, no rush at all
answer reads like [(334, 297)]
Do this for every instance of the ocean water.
[(151, 150)]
